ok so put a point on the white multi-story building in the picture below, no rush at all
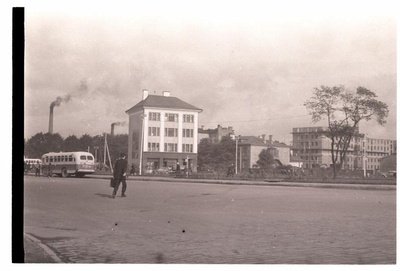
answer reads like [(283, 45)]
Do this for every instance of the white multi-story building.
[(162, 132), (314, 148)]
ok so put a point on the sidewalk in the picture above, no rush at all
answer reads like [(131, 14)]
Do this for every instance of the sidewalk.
[(37, 252)]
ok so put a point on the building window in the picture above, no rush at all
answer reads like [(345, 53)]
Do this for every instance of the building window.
[(187, 147), (188, 118), (154, 116), (187, 133), (154, 131), (171, 132), (153, 146), (170, 147), (171, 117)]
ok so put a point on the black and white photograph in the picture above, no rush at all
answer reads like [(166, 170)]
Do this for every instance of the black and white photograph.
[(209, 133)]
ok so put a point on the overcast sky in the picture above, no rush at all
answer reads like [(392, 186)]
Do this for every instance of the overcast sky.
[(249, 68)]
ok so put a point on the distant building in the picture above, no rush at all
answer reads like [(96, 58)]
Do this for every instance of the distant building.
[(162, 133), (314, 148), (215, 135), (251, 146), (296, 161)]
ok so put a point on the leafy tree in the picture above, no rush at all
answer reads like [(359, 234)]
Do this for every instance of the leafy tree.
[(117, 144), (85, 143), (265, 158), (343, 111), (217, 156), (205, 154), (40, 144), (71, 143)]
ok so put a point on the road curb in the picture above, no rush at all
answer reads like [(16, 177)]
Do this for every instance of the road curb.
[(384, 187), (46, 249)]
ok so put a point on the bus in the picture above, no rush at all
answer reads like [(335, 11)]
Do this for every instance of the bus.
[(29, 163), (66, 164)]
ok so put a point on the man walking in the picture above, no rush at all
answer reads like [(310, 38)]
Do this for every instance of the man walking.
[(120, 168), (37, 169)]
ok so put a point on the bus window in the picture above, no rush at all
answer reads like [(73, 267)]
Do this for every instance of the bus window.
[(51, 159), (70, 159), (83, 157), (90, 158)]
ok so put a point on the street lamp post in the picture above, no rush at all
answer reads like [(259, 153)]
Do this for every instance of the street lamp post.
[(237, 138), (364, 157), (141, 147)]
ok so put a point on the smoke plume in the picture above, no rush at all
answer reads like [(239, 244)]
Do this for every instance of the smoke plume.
[(81, 89), (116, 123), (119, 123)]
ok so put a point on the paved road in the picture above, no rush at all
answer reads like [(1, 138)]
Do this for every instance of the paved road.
[(165, 222)]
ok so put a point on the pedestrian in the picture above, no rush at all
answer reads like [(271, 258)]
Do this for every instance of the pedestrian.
[(178, 168), (120, 168), (230, 170), (50, 173), (37, 169), (132, 169)]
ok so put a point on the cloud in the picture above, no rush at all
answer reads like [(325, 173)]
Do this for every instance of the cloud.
[(237, 71)]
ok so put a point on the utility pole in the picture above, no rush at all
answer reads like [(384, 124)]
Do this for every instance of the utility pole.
[(364, 156), (107, 151)]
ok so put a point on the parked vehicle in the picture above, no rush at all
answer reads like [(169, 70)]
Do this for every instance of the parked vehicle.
[(68, 163), (390, 173), (162, 171)]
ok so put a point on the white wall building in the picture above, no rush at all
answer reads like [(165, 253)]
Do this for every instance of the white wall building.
[(162, 132)]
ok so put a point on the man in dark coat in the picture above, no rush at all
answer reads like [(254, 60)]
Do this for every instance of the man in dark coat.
[(120, 168)]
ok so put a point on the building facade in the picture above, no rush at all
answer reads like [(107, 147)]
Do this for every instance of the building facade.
[(162, 133), (251, 146), (314, 148), (215, 135)]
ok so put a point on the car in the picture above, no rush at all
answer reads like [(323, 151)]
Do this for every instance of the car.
[(162, 171), (390, 173)]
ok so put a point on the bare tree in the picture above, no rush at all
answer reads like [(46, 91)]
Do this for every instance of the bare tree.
[(344, 111)]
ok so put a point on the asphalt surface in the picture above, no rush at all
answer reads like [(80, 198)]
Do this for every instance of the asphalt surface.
[(37, 251)]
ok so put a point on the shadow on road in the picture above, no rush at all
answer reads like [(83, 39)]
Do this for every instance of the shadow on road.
[(103, 195)]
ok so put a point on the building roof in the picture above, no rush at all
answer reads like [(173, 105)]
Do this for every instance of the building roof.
[(251, 140), (157, 101), (256, 141)]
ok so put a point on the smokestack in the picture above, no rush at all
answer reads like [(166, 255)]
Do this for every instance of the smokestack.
[(51, 120), (145, 94), (118, 124), (263, 138), (270, 138), (112, 128)]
